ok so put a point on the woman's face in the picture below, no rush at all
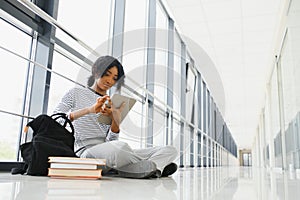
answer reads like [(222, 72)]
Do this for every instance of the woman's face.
[(108, 79)]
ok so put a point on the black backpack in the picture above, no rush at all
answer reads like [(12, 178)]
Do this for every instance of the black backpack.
[(50, 138)]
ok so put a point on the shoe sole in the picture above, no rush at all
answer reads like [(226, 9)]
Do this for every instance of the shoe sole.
[(169, 170)]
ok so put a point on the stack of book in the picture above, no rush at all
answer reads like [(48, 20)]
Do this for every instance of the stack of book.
[(73, 167)]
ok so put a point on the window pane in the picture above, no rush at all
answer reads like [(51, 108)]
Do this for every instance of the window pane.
[(161, 55), (92, 27), (190, 94), (133, 129), (134, 44), (177, 74), (135, 69), (159, 127), (12, 82), (138, 16), (176, 133), (59, 85)]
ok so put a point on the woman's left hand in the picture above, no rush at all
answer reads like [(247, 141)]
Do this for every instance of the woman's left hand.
[(116, 117), (116, 113)]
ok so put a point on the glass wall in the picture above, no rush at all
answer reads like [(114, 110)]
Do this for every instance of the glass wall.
[(190, 113), (283, 101), (275, 118), (135, 70), (184, 118), (177, 74), (160, 76), (92, 27), (13, 81), (177, 90), (69, 68), (290, 62)]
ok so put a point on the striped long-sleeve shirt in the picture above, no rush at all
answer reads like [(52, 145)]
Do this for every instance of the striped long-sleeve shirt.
[(88, 131)]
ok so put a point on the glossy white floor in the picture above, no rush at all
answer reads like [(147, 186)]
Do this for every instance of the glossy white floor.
[(191, 183)]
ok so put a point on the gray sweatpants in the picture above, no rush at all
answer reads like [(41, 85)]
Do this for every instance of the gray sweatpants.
[(119, 154)]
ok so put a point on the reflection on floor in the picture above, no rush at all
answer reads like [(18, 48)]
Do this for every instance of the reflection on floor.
[(190, 183)]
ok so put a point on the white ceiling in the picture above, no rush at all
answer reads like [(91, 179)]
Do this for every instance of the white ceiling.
[(238, 36)]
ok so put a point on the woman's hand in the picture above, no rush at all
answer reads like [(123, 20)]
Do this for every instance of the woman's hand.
[(116, 113), (109, 110), (106, 108), (96, 108), (99, 105)]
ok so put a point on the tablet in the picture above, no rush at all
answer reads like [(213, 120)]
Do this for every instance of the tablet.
[(117, 100)]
